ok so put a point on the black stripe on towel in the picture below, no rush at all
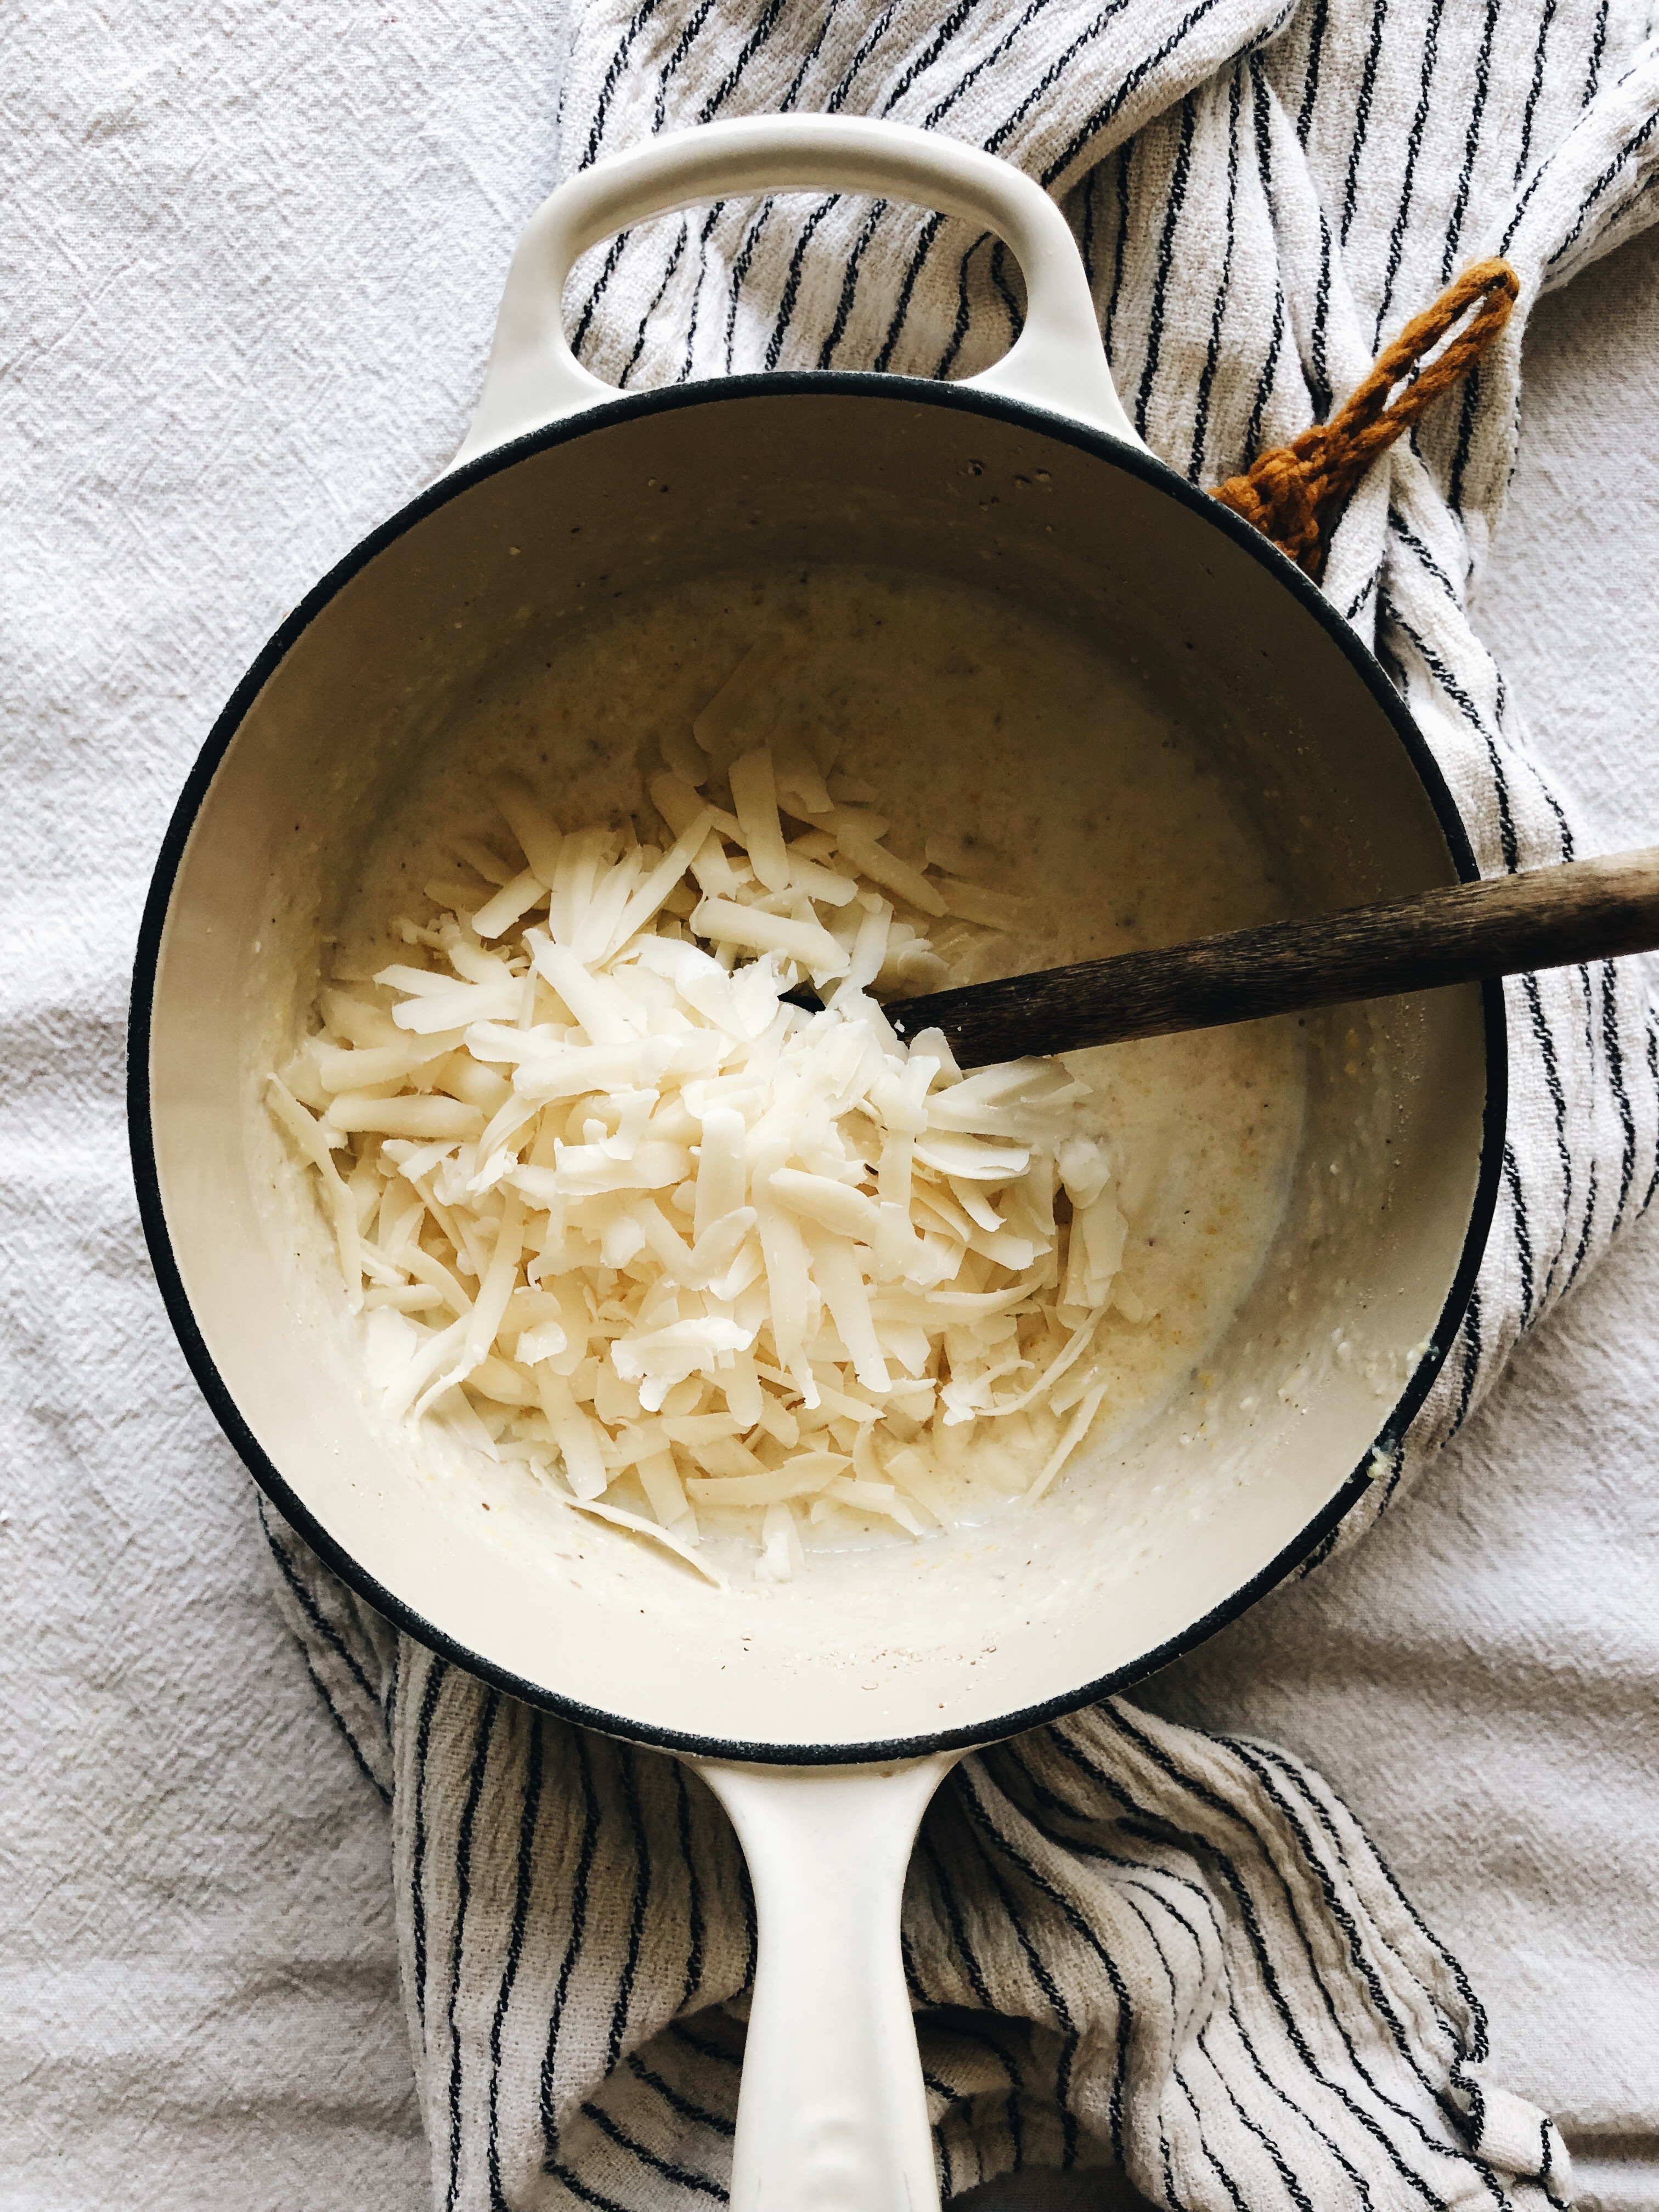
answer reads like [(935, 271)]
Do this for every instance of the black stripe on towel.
[(953, 2099), (321, 1625), (1598, 191), (692, 1980), (959, 91), (1615, 1053), (1172, 208), (947, 360), (1003, 286), (601, 284), (339, 1721), (922, 61), (1316, 29), (681, 2031), (1522, 1230), (579, 2190), (674, 260), (1544, 1037), (670, 67), (740, 269), (982, 2035), (923, 245), (1125, 160), (1362, 119), (1320, 393), (792, 280), (1413, 149), (1293, 2188), (1471, 143), (1276, 336), (1591, 1198), (437, 1671), (1592, 77), (475, 1783), (991, 1838), (698, 2115), (849, 285), (685, 2176), (1128, 85), (866, 45), (751, 45), (1470, 1334), (630, 1783), (1509, 842), (814, 45), (573, 1949), (1534, 91), (613, 75), (524, 1888), (965, 1952), (703, 236), (1220, 2171)]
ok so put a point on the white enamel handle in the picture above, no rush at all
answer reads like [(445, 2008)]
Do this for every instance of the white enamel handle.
[(832, 2116), (1057, 361)]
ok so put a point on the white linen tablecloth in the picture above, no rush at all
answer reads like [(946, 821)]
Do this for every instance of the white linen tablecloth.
[(248, 308)]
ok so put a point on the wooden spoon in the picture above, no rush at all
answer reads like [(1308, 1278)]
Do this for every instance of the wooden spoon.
[(1546, 918)]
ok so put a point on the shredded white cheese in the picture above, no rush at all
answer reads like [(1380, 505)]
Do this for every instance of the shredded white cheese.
[(682, 1248)]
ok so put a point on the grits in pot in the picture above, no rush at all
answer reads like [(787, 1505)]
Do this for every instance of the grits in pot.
[(619, 1222)]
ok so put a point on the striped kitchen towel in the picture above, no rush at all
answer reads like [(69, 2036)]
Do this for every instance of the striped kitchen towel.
[(1127, 1942)]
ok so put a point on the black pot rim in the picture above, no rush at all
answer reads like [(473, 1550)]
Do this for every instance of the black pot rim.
[(960, 399)]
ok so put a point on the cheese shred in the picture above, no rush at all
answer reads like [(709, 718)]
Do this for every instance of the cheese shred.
[(708, 1262)]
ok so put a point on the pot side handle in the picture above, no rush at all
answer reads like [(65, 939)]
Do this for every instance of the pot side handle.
[(1057, 362), (831, 2113)]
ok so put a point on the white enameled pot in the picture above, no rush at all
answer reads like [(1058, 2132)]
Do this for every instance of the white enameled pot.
[(824, 1716)]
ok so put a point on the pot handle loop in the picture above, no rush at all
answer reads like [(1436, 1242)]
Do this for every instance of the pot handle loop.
[(832, 2113), (1057, 361)]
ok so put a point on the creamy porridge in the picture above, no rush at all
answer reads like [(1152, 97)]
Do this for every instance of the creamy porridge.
[(908, 786)]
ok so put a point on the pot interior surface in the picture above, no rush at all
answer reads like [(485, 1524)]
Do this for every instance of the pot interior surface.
[(407, 653)]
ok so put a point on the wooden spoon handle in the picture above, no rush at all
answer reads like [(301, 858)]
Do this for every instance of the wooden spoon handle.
[(1546, 918)]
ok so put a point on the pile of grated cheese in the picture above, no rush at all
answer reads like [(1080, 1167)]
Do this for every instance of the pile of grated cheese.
[(708, 1262)]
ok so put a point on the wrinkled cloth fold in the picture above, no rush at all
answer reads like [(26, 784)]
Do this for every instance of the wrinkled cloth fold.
[(1127, 1942)]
